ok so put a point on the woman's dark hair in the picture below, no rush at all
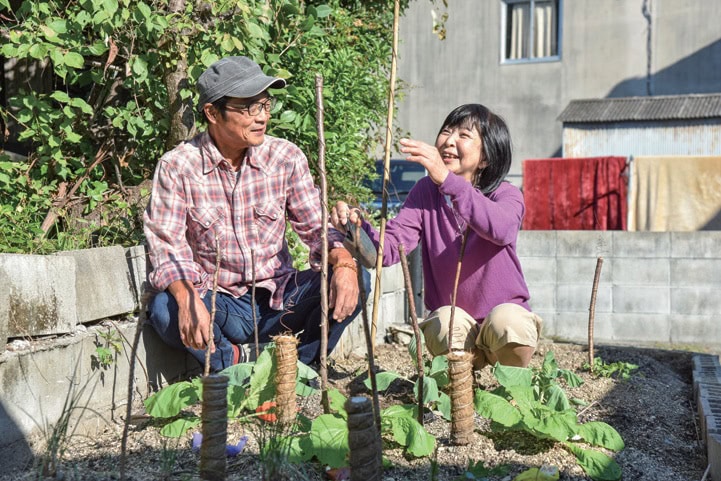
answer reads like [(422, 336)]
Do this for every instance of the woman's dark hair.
[(496, 143)]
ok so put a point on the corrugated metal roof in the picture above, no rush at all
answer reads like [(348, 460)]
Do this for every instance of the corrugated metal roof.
[(667, 107)]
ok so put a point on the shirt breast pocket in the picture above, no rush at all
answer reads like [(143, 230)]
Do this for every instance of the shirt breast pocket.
[(270, 222), (203, 224)]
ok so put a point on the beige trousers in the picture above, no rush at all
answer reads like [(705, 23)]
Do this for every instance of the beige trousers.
[(505, 323)]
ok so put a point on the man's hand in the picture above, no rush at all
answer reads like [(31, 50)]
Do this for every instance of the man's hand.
[(193, 316), (343, 298)]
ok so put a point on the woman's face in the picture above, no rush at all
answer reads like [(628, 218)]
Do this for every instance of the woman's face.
[(461, 149)]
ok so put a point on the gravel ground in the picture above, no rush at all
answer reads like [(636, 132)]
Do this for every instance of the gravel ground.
[(652, 411)]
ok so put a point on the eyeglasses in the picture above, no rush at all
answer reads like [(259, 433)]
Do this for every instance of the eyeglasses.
[(254, 108)]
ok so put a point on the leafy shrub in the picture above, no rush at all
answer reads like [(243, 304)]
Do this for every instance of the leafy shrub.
[(118, 78)]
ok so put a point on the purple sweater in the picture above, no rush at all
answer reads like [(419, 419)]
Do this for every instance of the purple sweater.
[(491, 272)]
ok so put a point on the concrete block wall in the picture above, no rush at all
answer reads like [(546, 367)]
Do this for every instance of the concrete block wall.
[(707, 394), (655, 287)]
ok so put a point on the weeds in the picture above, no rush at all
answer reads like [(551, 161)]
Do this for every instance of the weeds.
[(618, 370)]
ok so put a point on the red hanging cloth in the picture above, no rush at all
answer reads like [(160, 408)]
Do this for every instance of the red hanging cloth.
[(575, 194)]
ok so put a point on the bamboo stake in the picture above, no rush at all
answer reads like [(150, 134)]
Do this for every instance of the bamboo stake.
[(386, 170), (324, 246), (455, 291), (416, 330), (592, 310)]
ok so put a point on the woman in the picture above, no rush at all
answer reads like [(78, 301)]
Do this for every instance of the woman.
[(464, 194)]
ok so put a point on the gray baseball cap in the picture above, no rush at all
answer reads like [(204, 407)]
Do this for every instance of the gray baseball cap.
[(234, 77)]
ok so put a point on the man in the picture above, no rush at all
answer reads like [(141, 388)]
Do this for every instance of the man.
[(231, 190)]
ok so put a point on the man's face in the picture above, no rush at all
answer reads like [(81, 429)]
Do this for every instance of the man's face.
[(243, 124)]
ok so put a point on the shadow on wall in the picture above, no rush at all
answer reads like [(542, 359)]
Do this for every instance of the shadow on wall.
[(714, 223), (165, 365), (14, 449), (697, 73)]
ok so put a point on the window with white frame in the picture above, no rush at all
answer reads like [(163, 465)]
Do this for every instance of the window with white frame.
[(530, 29)]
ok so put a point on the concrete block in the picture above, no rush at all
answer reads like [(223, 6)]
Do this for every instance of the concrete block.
[(640, 271), (139, 267), (695, 329), (536, 243), (391, 278), (4, 313), (695, 301), (33, 398), (694, 245), (581, 270), (573, 326), (41, 294), (584, 243), (641, 244), (543, 297), (641, 328), (103, 283), (641, 300), (539, 270), (549, 322), (577, 298), (713, 447), (695, 272)]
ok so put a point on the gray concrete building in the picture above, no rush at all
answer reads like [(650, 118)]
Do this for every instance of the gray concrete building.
[(529, 71)]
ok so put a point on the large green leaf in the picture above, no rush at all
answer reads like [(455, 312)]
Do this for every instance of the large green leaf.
[(409, 433), (559, 426), (496, 408), (597, 465), (599, 433), (556, 399), (262, 381), (383, 380), (430, 390), (171, 400), (329, 438), (179, 427), (508, 376)]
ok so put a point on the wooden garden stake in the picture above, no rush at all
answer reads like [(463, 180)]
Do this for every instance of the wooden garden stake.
[(324, 246), (455, 290), (206, 370), (416, 330), (460, 369), (366, 461), (386, 171), (286, 356), (369, 345), (252, 303), (460, 372), (144, 300), (592, 310), (214, 416)]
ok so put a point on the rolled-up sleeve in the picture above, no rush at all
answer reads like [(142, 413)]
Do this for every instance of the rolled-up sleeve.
[(165, 225)]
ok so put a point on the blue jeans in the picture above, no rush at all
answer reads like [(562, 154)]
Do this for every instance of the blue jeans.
[(234, 319)]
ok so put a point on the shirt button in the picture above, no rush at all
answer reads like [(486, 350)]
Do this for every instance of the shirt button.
[(207, 224)]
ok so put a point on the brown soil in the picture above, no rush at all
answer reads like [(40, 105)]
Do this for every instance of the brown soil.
[(653, 411)]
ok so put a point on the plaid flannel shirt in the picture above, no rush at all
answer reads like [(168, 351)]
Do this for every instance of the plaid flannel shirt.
[(199, 202)]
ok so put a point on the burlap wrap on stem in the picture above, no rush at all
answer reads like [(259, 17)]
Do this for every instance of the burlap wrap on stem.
[(286, 355), (460, 372)]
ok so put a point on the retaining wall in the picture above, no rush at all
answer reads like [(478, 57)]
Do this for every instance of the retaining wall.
[(655, 287)]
